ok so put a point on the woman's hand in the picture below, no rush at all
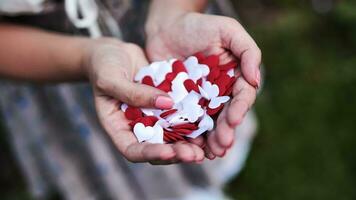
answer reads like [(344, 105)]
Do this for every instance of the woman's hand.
[(111, 66), (187, 33)]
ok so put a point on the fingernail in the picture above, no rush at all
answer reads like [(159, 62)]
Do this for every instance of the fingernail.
[(210, 156), (199, 161), (163, 102), (258, 78)]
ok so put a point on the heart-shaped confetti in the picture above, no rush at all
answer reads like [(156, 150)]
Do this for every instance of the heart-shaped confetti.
[(199, 87)]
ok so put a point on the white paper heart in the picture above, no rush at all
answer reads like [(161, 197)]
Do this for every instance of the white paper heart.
[(156, 70), (178, 89), (144, 71), (205, 69), (191, 109), (211, 89), (206, 124), (177, 119), (195, 73), (203, 93), (194, 69), (158, 135), (163, 69), (191, 61), (217, 101), (231, 72), (143, 132), (148, 111), (123, 107)]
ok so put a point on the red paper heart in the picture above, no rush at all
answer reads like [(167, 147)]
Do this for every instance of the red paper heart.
[(170, 76), (228, 66), (165, 86), (200, 82), (182, 131), (171, 137), (214, 74), (212, 61), (211, 112), (222, 81), (168, 138), (147, 121), (132, 113), (189, 126), (228, 91), (178, 66), (200, 56), (167, 113), (147, 80), (231, 82), (203, 102), (190, 85), (175, 135)]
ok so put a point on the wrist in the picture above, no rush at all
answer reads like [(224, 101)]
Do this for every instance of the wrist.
[(86, 49), (156, 23), (165, 12), (94, 51)]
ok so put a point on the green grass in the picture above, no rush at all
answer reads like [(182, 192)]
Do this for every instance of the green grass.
[(306, 141)]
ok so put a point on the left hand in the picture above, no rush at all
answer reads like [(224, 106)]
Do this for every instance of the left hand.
[(190, 32), (110, 66)]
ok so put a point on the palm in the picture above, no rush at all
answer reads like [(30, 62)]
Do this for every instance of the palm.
[(112, 72), (185, 38), (209, 34)]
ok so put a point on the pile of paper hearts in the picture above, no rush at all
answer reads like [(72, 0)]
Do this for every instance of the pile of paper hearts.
[(199, 87)]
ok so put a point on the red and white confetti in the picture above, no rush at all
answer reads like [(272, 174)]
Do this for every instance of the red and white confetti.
[(199, 87)]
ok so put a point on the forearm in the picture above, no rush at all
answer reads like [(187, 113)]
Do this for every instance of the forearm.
[(36, 55), (164, 11)]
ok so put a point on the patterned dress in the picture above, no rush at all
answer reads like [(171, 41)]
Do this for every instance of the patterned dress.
[(63, 151)]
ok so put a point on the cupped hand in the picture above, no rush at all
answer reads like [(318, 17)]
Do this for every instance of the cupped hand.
[(189, 33), (111, 66)]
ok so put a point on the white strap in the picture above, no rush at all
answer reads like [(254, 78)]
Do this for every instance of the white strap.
[(89, 15), (16, 7)]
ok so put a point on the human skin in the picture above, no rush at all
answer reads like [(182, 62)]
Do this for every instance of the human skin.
[(34, 55), (109, 64), (175, 28)]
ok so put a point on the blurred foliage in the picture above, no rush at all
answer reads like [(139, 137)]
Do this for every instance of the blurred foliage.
[(305, 148)]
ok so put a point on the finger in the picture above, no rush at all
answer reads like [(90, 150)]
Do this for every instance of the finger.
[(140, 95), (184, 152), (199, 153), (243, 47), (124, 89), (226, 57), (158, 54), (199, 141), (224, 133), (135, 94), (127, 144), (143, 152), (244, 97), (208, 154), (214, 146)]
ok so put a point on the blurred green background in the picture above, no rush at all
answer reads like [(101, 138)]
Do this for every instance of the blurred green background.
[(305, 148), (307, 124)]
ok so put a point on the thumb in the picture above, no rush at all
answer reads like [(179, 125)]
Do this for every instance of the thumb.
[(139, 95)]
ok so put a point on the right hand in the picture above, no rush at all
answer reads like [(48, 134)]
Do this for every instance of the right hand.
[(111, 66)]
